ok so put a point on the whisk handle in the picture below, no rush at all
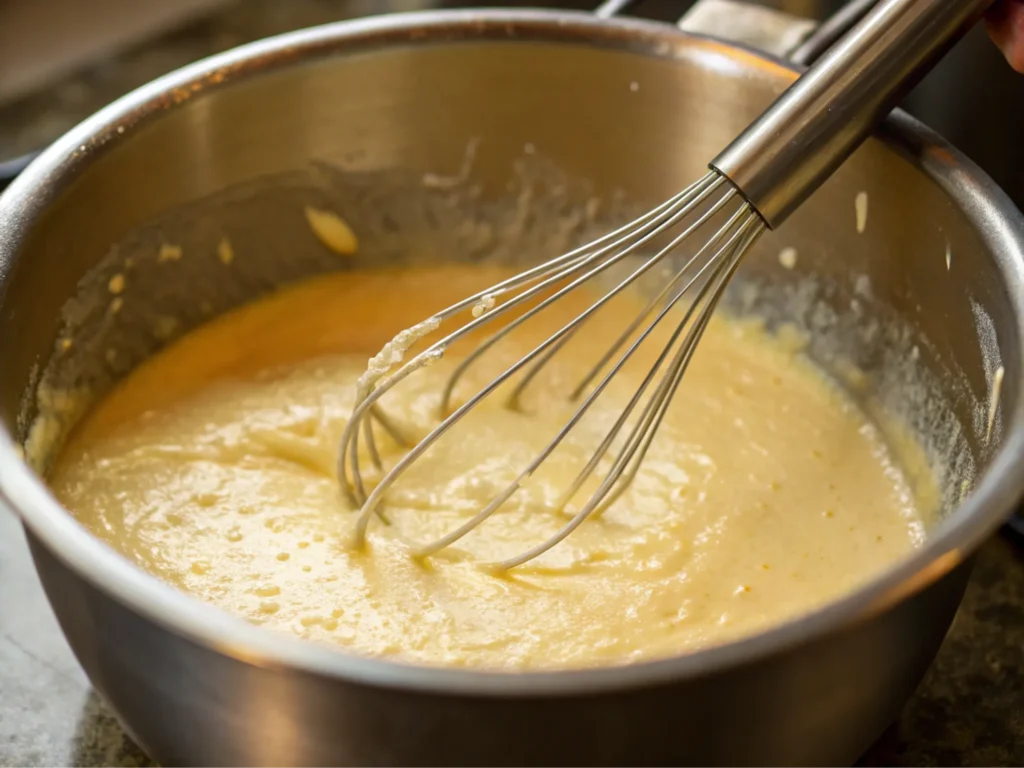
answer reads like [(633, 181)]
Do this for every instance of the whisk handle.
[(824, 116)]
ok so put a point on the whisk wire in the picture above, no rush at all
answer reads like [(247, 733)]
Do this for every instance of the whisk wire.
[(627, 410), (455, 416), (721, 276), (646, 428), (538, 365), (582, 409), (674, 217), (352, 484), (560, 277)]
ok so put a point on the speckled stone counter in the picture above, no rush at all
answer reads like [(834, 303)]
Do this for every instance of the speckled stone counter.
[(968, 711)]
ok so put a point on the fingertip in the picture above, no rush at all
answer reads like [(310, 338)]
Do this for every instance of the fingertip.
[(1005, 24)]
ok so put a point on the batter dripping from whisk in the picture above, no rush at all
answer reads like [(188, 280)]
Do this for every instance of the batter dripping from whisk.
[(213, 467)]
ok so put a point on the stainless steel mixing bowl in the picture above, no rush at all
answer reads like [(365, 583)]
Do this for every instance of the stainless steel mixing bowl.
[(353, 116)]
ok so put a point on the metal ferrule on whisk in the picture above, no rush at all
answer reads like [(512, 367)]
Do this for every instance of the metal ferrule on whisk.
[(823, 117)]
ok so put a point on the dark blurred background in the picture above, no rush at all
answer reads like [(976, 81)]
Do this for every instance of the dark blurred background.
[(60, 60)]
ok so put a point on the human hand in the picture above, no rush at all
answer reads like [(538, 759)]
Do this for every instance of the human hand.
[(1006, 27)]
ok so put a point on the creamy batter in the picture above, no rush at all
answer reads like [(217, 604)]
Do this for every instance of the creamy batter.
[(212, 466)]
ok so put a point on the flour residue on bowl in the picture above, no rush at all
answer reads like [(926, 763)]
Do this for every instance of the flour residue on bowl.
[(169, 252), (788, 257), (332, 230), (986, 410), (861, 210), (439, 181), (993, 405), (225, 251)]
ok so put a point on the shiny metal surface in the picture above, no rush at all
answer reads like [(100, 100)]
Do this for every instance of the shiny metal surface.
[(749, 24), (971, 98), (188, 157), (817, 123), (830, 30)]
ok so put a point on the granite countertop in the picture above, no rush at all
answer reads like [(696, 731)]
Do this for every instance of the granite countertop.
[(968, 711)]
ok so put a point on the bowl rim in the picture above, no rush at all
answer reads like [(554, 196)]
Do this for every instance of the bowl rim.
[(1000, 224)]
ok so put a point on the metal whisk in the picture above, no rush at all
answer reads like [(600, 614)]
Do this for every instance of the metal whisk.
[(755, 184)]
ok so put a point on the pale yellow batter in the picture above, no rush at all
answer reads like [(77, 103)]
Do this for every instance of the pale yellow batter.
[(212, 466)]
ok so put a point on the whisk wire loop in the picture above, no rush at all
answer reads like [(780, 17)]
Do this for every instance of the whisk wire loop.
[(639, 440), (704, 201), (348, 460), (581, 410)]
